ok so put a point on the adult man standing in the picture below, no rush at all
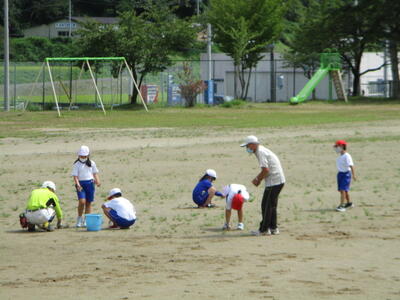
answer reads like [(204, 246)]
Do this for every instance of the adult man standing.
[(272, 173), (43, 205)]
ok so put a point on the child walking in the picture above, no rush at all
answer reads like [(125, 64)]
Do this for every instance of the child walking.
[(346, 172), (204, 191), (85, 174), (236, 195)]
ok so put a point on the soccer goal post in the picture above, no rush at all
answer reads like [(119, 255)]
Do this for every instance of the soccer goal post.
[(86, 62)]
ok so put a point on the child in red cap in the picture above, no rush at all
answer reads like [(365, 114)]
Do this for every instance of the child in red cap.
[(236, 195), (345, 166)]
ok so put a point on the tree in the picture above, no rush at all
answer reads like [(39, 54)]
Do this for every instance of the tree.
[(190, 86), (297, 52), (243, 29), (389, 11), (146, 40), (348, 26)]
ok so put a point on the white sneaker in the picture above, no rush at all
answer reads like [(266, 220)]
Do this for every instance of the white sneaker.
[(275, 231), (79, 222), (226, 227), (259, 233), (240, 226), (340, 208)]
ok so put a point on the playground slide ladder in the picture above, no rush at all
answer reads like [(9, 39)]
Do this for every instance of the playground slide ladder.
[(338, 83)]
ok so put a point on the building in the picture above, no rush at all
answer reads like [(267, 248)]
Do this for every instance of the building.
[(61, 28), (288, 80)]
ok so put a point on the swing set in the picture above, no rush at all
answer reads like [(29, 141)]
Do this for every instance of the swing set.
[(59, 79)]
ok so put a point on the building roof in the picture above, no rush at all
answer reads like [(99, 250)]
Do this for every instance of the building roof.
[(101, 20)]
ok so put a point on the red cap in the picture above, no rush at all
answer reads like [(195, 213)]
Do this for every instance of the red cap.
[(237, 202), (340, 143)]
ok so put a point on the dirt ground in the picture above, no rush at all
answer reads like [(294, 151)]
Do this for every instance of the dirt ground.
[(177, 252)]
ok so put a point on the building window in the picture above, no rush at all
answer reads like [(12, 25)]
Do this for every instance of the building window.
[(63, 33)]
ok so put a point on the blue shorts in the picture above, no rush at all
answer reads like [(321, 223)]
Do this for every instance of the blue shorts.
[(343, 181), (87, 191), (200, 199), (121, 222)]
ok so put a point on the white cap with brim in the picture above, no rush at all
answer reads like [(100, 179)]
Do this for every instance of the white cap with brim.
[(211, 173), (83, 151), (251, 139), (113, 192), (49, 184)]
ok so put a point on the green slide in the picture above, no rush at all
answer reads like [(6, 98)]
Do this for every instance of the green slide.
[(310, 86)]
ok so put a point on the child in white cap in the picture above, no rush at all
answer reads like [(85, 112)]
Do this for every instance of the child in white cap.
[(119, 210), (236, 195), (85, 174), (204, 190)]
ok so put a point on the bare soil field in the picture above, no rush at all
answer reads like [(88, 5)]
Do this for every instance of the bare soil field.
[(175, 251)]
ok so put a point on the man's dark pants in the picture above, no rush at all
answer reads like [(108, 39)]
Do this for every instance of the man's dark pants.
[(269, 206)]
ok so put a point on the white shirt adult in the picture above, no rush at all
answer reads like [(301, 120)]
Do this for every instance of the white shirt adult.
[(231, 190), (268, 159), (123, 207), (83, 172), (344, 162)]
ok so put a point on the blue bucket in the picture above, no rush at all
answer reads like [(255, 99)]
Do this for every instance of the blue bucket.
[(93, 222)]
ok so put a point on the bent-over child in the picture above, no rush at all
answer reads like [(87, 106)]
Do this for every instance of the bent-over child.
[(236, 195)]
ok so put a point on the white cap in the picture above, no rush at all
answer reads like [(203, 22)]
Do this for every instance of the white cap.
[(212, 173), (113, 192), (49, 184), (251, 139), (83, 151)]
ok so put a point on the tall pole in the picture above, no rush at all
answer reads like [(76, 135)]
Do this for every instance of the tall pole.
[(273, 83), (209, 54), (198, 7), (6, 60), (70, 19)]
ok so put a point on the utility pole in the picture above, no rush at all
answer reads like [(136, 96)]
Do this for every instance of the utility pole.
[(209, 54), (273, 83), (198, 7), (6, 59), (70, 19)]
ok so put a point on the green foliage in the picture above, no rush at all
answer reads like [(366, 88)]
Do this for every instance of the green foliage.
[(243, 29), (146, 40), (233, 103), (348, 26), (36, 49)]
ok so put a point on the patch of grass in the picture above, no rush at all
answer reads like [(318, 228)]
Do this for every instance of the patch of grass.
[(258, 115), (233, 103)]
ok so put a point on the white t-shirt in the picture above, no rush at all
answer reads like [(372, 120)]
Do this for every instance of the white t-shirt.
[(83, 171), (268, 159), (343, 162), (123, 207), (231, 190)]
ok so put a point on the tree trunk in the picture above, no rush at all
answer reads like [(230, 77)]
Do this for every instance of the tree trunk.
[(247, 84), (242, 82), (236, 76), (356, 74), (135, 94), (134, 90), (394, 60)]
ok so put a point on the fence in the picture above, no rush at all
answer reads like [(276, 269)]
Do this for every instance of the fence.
[(270, 81)]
